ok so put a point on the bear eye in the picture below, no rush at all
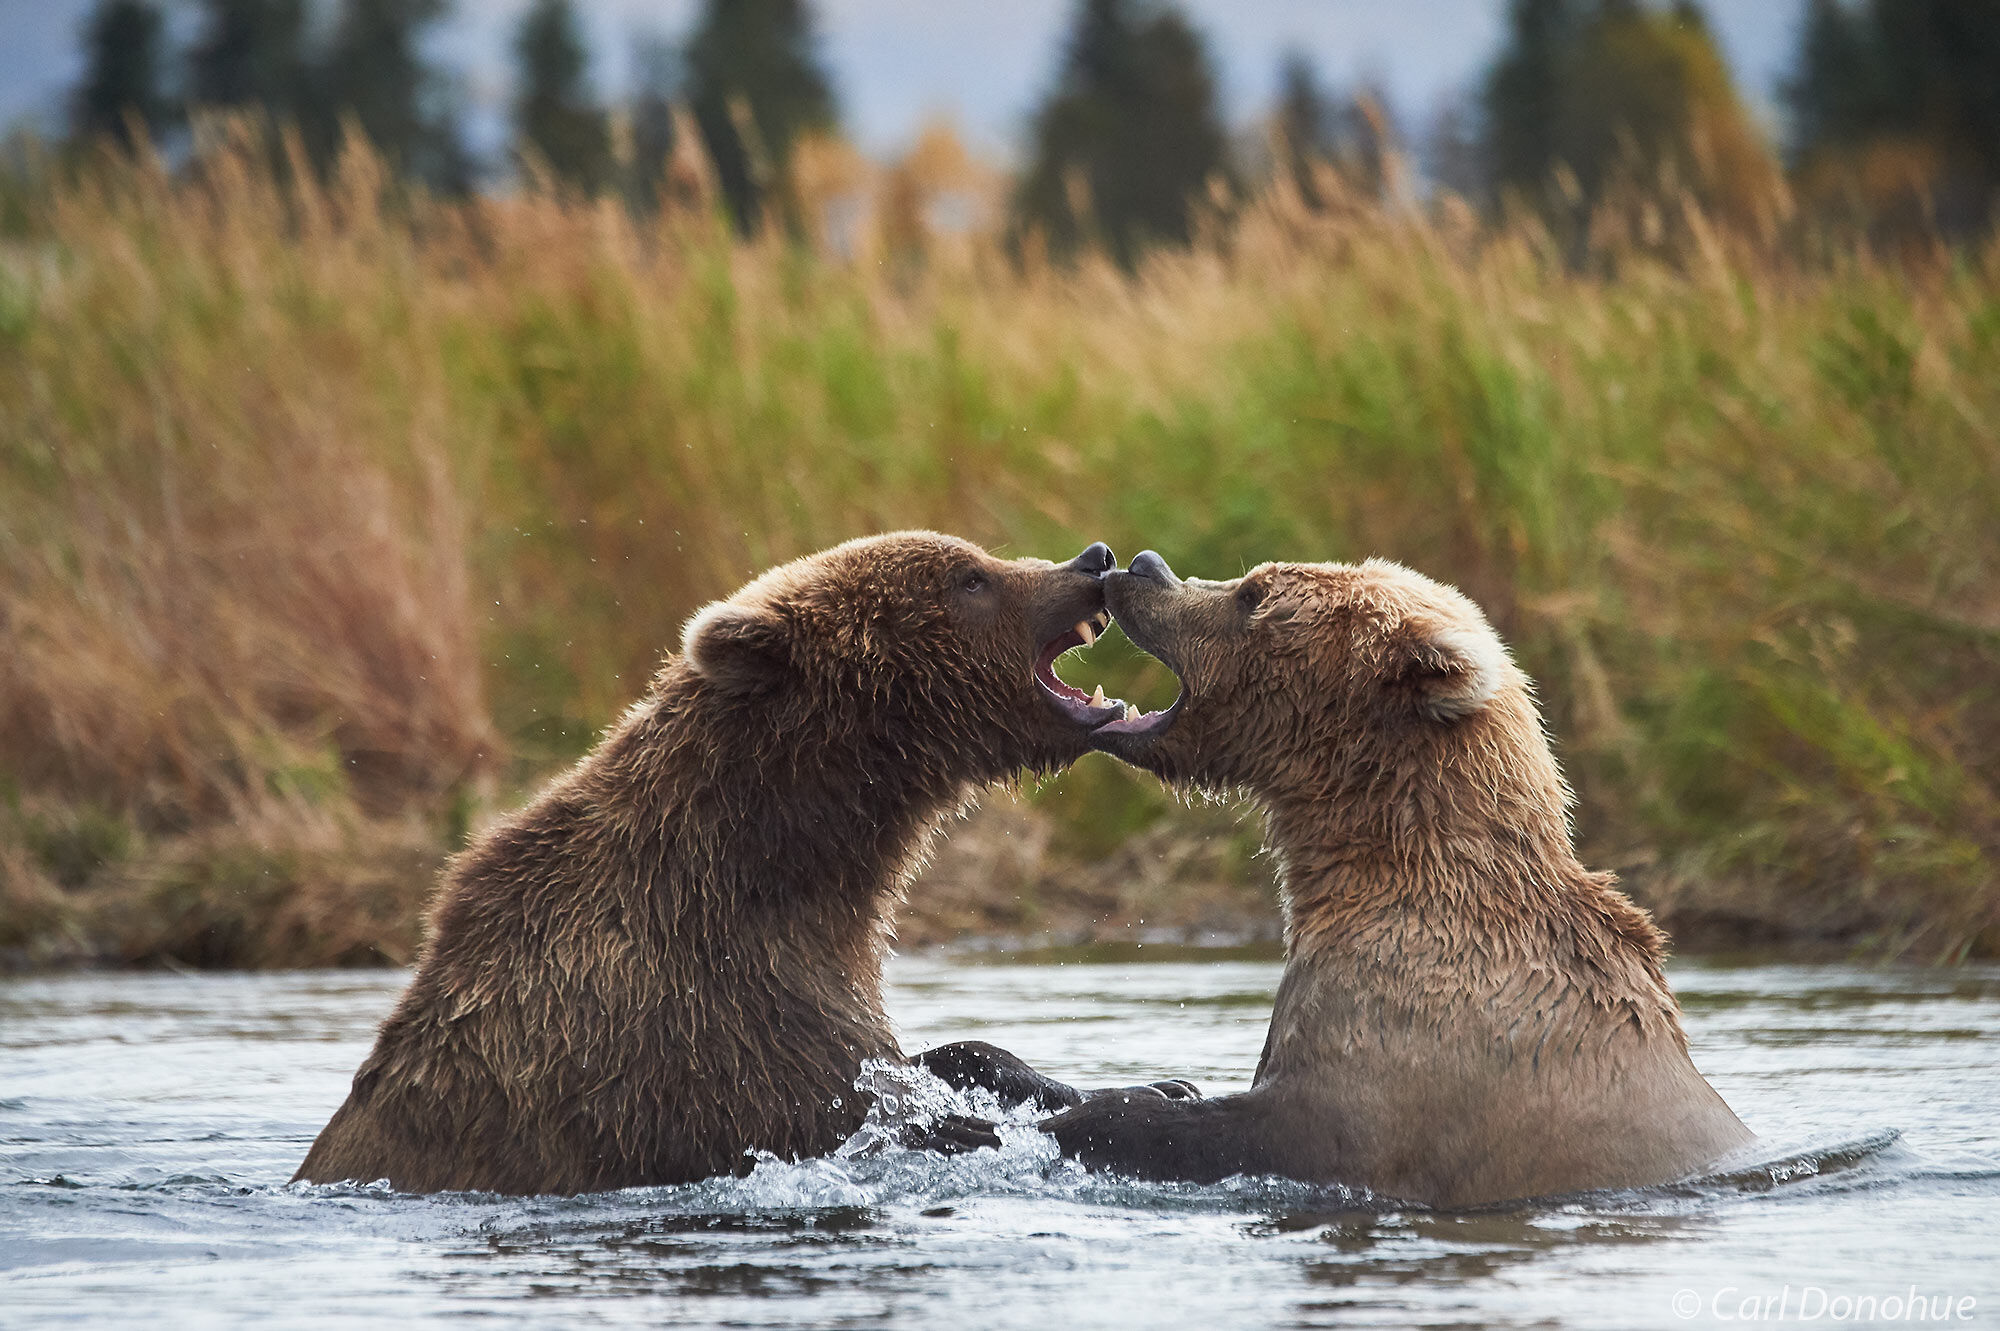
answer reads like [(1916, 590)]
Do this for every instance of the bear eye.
[(972, 581)]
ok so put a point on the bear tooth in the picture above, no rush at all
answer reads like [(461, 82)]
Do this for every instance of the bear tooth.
[(1097, 698), (1131, 712), (1086, 632)]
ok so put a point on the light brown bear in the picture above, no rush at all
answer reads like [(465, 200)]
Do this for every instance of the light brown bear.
[(1467, 1014), (673, 956)]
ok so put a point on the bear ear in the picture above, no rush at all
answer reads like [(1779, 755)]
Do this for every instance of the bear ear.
[(1453, 670), (737, 646)]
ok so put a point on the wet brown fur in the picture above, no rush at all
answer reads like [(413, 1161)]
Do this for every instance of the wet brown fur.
[(1467, 1013), (672, 957)]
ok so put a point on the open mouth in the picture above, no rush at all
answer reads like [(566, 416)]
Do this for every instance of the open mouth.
[(1093, 709), (1087, 709), (1136, 722)]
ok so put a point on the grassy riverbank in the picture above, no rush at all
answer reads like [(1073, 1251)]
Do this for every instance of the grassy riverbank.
[(329, 526)]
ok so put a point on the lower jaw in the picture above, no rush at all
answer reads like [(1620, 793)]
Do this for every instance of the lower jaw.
[(1142, 751), (1122, 745), (1137, 728)]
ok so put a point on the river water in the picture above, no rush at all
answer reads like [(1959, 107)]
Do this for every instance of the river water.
[(148, 1124)]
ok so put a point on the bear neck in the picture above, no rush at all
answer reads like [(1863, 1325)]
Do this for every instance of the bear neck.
[(1424, 875), (779, 811)]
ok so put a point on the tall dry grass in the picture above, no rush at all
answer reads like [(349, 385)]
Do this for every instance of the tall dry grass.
[(309, 494), (239, 635)]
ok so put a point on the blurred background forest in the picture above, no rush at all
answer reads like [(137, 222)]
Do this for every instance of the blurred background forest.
[(352, 480)]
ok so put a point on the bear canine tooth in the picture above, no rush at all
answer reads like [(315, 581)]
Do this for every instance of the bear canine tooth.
[(1086, 632), (1131, 712), (1097, 697)]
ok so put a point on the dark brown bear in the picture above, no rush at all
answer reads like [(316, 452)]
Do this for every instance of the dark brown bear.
[(673, 956), (1467, 1014)]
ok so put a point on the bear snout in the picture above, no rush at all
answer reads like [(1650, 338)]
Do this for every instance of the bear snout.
[(1149, 565), (1096, 560)]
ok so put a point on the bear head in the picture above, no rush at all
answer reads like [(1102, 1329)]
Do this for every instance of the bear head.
[(911, 645), (1356, 685)]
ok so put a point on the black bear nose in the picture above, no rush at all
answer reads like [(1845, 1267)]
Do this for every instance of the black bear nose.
[(1097, 560), (1148, 564)]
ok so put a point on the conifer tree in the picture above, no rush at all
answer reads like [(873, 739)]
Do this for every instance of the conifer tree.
[(1524, 92), (654, 83), (122, 78), (1129, 138), (755, 83), (1351, 134), (375, 73), (1616, 88), (554, 117), (251, 53), (1923, 75), (1304, 122)]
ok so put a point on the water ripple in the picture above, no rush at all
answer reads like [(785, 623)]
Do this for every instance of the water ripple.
[(150, 1123)]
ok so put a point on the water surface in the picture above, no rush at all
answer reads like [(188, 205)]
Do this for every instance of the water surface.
[(148, 1124)]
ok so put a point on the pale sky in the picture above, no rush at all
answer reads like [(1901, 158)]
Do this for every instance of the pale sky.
[(897, 63)]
